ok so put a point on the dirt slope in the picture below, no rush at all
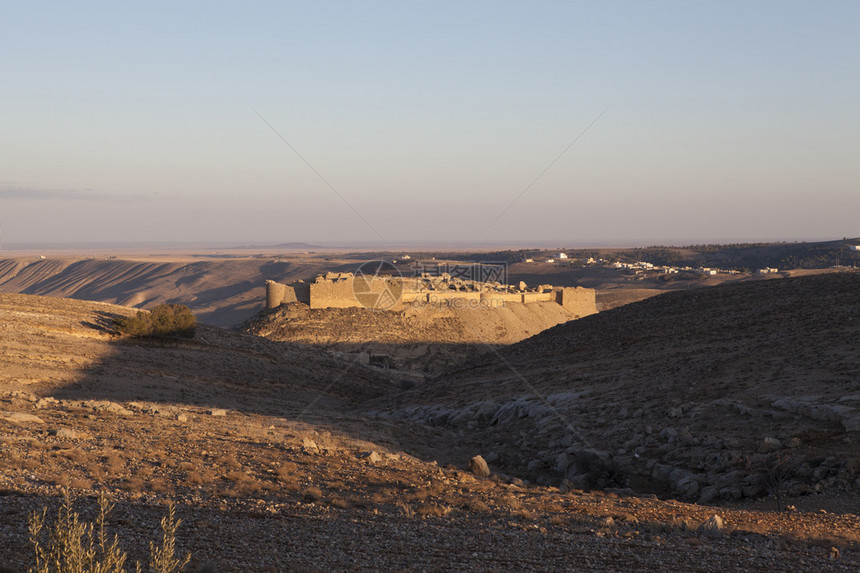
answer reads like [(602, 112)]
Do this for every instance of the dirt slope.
[(426, 339), (705, 395)]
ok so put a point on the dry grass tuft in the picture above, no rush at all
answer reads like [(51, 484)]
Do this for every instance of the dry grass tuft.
[(193, 478), (340, 503), (132, 484), (74, 455), (287, 472), (80, 483), (476, 506), (230, 461), (113, 464), (407, 509), (432, 509)]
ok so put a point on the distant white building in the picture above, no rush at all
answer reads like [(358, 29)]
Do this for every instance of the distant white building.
[(562, 256), (530, 260), (855, 247), (767, 271)]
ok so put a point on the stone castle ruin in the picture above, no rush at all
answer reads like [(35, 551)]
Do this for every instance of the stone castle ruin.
[(347, 290)]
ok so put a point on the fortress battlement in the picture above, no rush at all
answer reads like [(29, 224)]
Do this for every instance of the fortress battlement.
[(346, 290)]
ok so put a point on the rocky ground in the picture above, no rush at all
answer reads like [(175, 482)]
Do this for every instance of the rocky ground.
[(733, 392), (282, 458), (261, 493)]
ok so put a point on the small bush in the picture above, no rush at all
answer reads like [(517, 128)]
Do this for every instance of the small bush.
[(75, 546), (165, 321)]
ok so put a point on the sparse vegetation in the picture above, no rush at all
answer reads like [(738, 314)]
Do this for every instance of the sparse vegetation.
[(775, 471), (165, 321), (76, 546)]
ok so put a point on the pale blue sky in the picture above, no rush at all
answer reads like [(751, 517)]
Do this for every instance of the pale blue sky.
[(723, 121)]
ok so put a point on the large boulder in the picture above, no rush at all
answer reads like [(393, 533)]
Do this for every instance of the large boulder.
[(478, 466)]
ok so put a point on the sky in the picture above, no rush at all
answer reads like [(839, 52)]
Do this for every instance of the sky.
[(436, 122)]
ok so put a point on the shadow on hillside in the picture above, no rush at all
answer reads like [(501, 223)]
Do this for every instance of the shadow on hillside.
[(244, 375), (221, 369)]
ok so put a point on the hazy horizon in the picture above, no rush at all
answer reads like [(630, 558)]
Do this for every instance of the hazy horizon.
[(487, 123), (198, 248)]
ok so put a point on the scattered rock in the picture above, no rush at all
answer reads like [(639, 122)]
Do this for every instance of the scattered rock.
[(687, 487), (107, 406), (373, 457), (22, 418), (709, 494), (770, 445), (217, 412), (712, 526), (115, 408), (309, 445), (668, 434), (479, 467), (66, 434), (851, 424), (181, 418)]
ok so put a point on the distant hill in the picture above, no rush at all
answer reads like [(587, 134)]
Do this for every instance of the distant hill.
[(222, 291), (799, 255)]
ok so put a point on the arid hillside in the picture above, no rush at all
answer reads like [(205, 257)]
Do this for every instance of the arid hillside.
[(428, 338), (720, 394), (277, 462)]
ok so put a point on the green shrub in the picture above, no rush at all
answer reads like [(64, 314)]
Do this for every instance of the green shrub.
[(163, 321), (75, 546)]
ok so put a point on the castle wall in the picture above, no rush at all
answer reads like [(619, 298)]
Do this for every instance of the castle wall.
[(302, 293), (278, 294), (340, 292), (578, 300), (410, 297), (501, 297), (538, 297), (337, 294), (447, 295)]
